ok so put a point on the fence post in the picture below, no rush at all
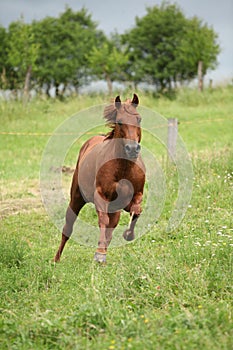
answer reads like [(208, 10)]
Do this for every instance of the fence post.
[(171, 138)]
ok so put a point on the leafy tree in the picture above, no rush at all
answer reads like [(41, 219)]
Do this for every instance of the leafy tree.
[(22, 53), (3, 57), (164, 46), (64, 44), (108, 62), (199, 43)]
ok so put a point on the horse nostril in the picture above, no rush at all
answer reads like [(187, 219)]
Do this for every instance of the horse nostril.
[(132, 148), (127, 148)]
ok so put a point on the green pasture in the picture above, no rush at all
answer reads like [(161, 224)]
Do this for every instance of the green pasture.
[(163, 291)]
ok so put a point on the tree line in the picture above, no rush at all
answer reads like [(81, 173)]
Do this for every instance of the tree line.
[(163, 49)]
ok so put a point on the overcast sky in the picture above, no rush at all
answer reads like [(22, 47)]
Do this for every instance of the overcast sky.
[(120, 15)]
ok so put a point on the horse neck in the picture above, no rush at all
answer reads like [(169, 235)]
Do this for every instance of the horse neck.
[(123, 163), (116, 148), (113, 149), (125, 166)]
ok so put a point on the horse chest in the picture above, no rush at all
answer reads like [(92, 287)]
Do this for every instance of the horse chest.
[(120, 180)]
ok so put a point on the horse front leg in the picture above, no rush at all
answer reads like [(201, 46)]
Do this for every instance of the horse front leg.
[(101, 251), (129, 234), (101, 205), (107, 225), (135, 210)]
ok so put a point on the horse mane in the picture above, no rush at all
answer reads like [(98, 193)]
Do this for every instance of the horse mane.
[(110, 113)]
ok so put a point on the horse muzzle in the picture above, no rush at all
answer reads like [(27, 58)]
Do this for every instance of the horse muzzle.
[(132, 150)]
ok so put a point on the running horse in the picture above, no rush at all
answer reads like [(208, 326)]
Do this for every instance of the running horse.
[(111, 174)]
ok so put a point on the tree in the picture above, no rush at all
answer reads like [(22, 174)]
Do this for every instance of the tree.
[(64, 44), (198, 44), (3, 57), (164, 46), (108, 62), (22, 53)]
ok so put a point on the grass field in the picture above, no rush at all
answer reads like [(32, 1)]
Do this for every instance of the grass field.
[(165, 290)]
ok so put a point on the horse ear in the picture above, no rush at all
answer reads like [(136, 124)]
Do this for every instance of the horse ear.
[(117, 102), (135, 100)]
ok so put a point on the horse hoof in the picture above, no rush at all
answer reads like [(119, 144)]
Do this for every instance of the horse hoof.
[(99, 257), (128, 235), (56, 259)]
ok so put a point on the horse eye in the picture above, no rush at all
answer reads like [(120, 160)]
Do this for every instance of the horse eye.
[(139, 120), (119, 122)]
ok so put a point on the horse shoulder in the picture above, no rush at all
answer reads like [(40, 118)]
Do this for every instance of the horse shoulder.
[(89, 145)]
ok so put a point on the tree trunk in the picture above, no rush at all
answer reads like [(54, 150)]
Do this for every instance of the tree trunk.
[(162, 85), (169, 84), (210, 83), (109, 83), (27, 84), (47, 90), (200, 75), (57, 89), (3, 78), (63, 91)]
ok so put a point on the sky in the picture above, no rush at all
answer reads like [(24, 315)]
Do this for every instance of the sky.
[(119, 15)]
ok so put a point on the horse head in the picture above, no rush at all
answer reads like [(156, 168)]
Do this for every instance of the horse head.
[(125, 121)]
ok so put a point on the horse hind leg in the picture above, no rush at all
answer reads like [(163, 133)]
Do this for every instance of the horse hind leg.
[(76, 204), (66, 232)]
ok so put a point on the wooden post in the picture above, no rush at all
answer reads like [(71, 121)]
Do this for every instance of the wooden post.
[(171, 138), (200, 75)]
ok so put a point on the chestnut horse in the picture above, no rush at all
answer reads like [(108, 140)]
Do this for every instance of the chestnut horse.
[(111, 174)]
